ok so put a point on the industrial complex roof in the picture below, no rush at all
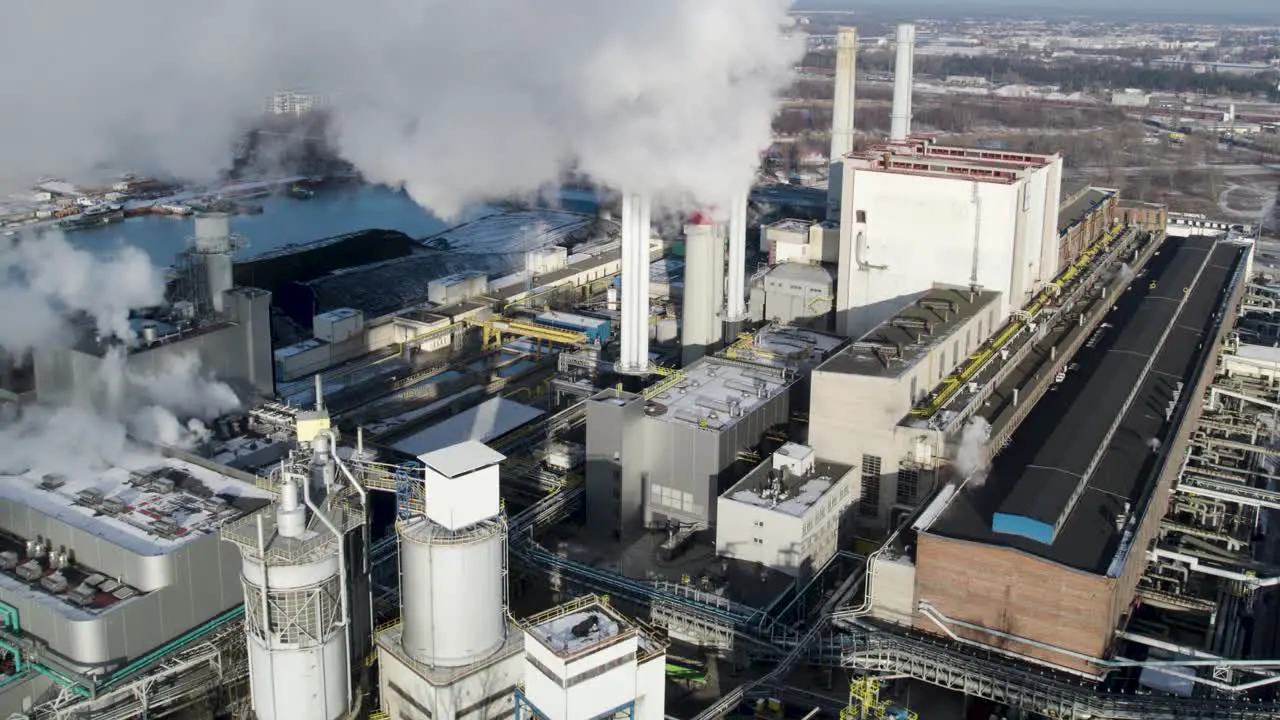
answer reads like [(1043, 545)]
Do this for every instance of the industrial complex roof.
[(715, 394), (895, 346), (490, 419), (920, 156), (151, 510), (462, 458), (521, 231), (786, 346), (1080, 207), (579, 628), (1030, 484), (785, 492)]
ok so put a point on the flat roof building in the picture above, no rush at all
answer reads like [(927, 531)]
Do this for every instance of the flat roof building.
[(786, 514), (915, 213), (658, 457), (863, 393)]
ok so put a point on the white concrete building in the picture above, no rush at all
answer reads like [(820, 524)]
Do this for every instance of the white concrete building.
[(917, 214), (786, 514), (862, 396), (801, 241), (585, 661)]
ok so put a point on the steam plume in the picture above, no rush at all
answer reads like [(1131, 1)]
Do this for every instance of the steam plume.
[(456, 101), (45, 278), (1126, 272), (972, 460)]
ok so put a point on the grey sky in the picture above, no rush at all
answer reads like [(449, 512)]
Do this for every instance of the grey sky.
[(1263, 9)]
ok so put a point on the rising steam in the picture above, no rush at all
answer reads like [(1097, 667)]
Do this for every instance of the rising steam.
[(1126, 272), (972, 460), (456, 101), (46, 280)]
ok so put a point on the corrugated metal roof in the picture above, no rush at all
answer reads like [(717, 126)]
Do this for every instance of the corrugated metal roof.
[(488, 420)]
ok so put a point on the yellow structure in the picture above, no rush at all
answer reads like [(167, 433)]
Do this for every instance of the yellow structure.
[(865, 703), (495, 330), (956, 380)]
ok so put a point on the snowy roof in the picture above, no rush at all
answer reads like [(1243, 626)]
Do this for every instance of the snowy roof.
[(715, 395), (488, 420), (147, 511), (338, 314), (579, 631), (1259, 353), (785, 492), (515, 232), (462, 458)]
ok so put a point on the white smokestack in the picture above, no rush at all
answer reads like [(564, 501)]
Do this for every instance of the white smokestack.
[(635, 283), (902, 80), (842, 114), (703, 252), (736, 287)]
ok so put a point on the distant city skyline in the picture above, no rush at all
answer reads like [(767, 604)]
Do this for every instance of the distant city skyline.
[(1256, 10)]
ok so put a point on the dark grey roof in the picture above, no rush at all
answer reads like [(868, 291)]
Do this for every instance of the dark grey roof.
[(1030, 481)]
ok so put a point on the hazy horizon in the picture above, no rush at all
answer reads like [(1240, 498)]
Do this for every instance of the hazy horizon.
[(1253, 10)]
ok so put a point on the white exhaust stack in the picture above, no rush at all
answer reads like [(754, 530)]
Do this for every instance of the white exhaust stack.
[(842, 115), (902, 81), (735, 310), (635, 283)]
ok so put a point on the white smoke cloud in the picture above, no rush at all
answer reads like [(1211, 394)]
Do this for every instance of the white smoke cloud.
[(457, 101), (1126, 272), (972, 460), (43, 278)]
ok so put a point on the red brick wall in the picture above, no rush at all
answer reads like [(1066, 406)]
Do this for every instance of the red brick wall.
[(1014, 593)]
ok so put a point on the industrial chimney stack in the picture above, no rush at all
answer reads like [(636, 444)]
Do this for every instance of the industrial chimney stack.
[(842, 115), (735, 294), (635, 283), (902, 80)]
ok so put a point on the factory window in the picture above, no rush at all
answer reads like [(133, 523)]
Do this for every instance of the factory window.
[(758, 541), (860, 216), (869, 501), (672, 498), (908, 485), (915, 389), (759, 523)]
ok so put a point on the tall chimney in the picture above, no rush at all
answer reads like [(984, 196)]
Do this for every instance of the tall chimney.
[(902, 81), (735, 298), (842, 115), (635, 283), (703, 254)]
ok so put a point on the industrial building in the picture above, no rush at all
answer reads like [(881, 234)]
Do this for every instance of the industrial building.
[(658, 457), (885, 374), (1033, 466), (97, 573), (228, 328), (787, 513), (915, 214)]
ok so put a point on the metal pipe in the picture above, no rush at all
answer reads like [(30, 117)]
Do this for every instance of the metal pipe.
[(342, 581), (1166, 666), (266, 606), (319, 393), (364, 502)]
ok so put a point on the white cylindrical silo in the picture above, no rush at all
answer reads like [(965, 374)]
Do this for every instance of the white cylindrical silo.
[(298, 660), (453, 591)]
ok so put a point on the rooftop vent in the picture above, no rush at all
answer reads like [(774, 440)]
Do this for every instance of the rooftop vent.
[(52, 481)]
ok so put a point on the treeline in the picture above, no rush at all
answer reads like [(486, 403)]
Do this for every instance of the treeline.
[(1071, 75)]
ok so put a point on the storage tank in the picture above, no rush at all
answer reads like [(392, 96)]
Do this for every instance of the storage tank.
[(297, 647), (453, 591)]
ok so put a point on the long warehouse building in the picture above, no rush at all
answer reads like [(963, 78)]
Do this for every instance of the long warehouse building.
[(1043, 556)]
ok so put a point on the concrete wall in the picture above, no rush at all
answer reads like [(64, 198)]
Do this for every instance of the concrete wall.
[(919, 231), (631, 458), (615, 464), (486, 694), (1017, 594)]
